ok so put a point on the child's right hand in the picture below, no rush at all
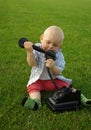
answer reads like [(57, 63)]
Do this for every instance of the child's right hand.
[(28, 46)]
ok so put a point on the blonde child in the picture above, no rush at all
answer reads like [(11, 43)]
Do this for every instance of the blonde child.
[(39, 80)]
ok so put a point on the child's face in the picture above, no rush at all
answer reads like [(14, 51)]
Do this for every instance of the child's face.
[(50, 41)]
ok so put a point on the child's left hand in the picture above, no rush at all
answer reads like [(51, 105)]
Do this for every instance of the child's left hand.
[(50, 63)]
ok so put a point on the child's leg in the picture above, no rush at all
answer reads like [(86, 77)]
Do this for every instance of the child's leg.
[(33, 101), (85, 101), (36, 96)]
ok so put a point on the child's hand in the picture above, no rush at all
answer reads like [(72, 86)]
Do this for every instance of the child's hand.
[(50, 63), (28, 46)]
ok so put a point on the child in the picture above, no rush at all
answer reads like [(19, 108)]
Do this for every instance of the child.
[(39, 80)]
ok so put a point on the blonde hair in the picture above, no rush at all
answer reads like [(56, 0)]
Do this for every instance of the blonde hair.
[(56, 30)]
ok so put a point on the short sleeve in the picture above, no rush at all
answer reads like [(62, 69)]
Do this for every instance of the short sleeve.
[(60, 61)]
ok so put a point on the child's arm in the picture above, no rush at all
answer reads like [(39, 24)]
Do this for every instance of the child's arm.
[(51, 65), (30, 55), (56, 66)]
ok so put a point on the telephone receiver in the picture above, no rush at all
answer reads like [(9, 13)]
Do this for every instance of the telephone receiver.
[(49, 54)]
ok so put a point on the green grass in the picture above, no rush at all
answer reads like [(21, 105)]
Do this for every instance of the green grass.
[(29, 18)]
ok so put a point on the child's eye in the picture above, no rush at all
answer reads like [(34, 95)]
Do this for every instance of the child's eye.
[(48, 42), (55, 45)]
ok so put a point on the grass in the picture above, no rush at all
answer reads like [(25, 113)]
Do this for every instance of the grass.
[(27, 18)]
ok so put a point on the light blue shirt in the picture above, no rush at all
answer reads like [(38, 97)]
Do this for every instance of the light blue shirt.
[(40, 71)]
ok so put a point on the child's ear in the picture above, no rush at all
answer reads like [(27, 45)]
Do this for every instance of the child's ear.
[(41, 37)]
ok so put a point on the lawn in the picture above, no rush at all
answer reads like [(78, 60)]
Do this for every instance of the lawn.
[(29, 18)]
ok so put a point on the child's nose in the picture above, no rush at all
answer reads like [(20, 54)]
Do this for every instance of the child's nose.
[(51, 46)]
